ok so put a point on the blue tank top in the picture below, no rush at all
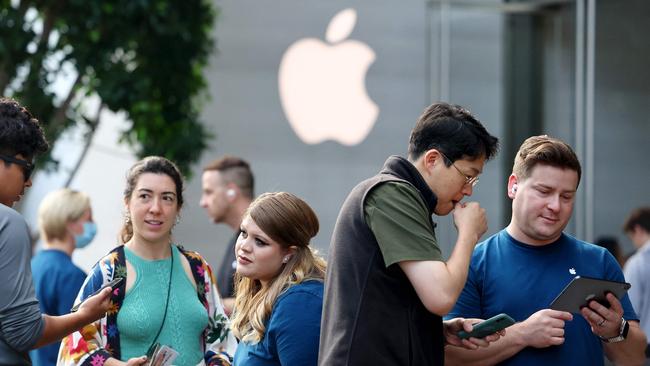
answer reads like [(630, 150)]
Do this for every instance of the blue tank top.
[(142, 311)]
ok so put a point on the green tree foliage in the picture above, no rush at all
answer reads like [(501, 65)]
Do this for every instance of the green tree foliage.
[(142, 57)]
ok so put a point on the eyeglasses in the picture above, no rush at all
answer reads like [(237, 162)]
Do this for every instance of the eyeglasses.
[(28, 167), (472, 181)]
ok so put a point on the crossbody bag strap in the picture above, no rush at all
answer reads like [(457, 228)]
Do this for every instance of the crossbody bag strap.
[(169, 287)]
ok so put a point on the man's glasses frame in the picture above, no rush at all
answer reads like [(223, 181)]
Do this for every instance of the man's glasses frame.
[(472, 181), (28, 167)]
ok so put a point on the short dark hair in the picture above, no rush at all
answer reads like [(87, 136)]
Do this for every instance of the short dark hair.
[(20, 132), (640, 217), (454, 131), (234, 170), (544, 150), (611, 244)]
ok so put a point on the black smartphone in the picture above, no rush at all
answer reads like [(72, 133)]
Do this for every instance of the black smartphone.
[(489, 326), (113, 284)]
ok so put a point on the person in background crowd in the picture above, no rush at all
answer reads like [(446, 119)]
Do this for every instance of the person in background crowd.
[(637, 268), (387, 284), (522, 268), (65, 222), (611, 244), (168, 296), (22, 326), (228, 189), (279, 284)]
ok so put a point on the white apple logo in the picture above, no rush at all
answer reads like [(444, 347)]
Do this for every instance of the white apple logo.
[(322, 86)]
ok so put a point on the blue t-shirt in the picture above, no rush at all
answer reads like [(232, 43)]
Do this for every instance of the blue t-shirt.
[(507, 276), (57, 281), (292, 331)]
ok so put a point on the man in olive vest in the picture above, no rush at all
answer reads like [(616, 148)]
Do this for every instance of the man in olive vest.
[(387, 284)]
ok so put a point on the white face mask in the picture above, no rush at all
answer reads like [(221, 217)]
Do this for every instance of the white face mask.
[(82, 240)]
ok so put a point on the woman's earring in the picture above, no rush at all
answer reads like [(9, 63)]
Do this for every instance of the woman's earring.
[(127, 217), (286, 259), (178, 220)]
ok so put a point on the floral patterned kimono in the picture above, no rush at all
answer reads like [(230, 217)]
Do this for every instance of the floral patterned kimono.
[(95, 343)]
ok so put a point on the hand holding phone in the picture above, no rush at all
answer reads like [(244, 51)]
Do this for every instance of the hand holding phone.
[(487, 327), (116, 282), (161, 355)]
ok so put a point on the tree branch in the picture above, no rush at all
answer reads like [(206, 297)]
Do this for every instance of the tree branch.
[(84, 152), (48, 25), (57, 122), (4, 78)]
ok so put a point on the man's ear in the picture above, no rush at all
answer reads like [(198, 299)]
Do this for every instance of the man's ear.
[(512, 186), (232, 191), (432, 157)]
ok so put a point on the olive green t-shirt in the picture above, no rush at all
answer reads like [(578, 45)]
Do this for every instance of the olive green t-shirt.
[(400, 220)]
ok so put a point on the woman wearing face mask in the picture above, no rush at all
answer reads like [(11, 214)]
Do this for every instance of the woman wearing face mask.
[(279, 284), (168, 295), (65, 222)]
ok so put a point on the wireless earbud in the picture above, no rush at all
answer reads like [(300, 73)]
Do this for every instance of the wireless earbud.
[(514, 188), (230, 193)]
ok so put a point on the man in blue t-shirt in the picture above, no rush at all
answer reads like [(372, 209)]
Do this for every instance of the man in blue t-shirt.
[(521, 269)]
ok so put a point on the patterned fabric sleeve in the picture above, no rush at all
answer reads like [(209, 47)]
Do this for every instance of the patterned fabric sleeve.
[(88, 346), (220, 344)]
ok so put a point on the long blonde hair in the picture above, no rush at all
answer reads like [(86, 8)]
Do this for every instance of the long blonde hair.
[(289, 221)]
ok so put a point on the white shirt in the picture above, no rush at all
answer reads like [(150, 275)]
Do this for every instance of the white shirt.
[(637, 273)]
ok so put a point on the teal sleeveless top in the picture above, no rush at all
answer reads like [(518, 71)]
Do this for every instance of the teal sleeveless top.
[(142, 311)]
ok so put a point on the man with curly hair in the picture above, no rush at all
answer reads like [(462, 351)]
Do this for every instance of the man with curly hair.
[(22, 326)]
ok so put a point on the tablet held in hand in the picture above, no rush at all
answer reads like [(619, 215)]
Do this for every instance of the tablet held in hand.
[(581, 290)]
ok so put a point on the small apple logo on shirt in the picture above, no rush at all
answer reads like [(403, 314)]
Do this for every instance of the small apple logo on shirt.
[(572, 271)]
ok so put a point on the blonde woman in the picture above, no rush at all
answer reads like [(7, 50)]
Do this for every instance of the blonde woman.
[(279, 284), (168, 296), (65, 222)]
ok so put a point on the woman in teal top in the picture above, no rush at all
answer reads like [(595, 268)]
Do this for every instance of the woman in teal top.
[(279, 284), (169, 296), (137, 321)]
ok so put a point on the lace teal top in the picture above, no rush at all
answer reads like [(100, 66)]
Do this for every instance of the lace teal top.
[(142, 311)]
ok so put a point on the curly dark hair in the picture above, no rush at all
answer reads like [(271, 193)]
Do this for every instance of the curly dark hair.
[(20, 132)]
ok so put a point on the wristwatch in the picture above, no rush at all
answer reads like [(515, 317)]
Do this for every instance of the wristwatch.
[(622, 333)]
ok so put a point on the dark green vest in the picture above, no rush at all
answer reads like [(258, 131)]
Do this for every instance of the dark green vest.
[(371, 314)]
